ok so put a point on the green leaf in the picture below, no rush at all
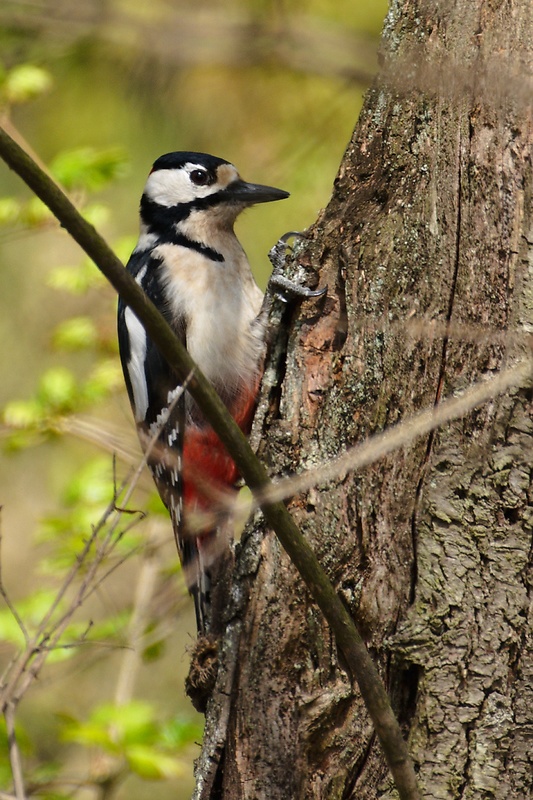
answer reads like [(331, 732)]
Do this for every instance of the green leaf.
[(31, 611), (76, 280), (111, 628), (89, 733), (116, 727), (24, 82), (22, 413), (155, 505), (154, 651), (92, 484), (9, 210), (35, 214), (180, 732), (57, 389), (77, 333), (96, 213), (152, 765), (88, 168), (85, 499), (46, 794), (9, 629), (134, 723), (21, 440), (105, 379), (124, 247)]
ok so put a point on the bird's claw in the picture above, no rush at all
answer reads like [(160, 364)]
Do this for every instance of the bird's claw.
[(282, 286), (288, 290)]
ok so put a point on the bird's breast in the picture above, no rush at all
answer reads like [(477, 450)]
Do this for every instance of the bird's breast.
[(219, 302)]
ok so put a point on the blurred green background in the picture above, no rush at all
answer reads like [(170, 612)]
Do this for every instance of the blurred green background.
[(274, 87)]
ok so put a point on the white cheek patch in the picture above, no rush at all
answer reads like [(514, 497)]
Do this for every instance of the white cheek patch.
[(137, 337), (170, 187)]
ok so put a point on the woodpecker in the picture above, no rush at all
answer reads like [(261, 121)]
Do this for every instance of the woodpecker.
[(191, 265)]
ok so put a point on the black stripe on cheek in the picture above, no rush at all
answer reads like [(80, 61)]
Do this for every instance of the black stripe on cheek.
[(160, 217), (184, 241)]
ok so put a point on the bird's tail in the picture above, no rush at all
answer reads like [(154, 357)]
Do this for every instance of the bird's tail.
[(198, 579), (207, 557)]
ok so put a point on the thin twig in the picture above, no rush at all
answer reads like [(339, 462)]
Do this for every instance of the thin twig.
[(402, 434), (14, 752), (104, 436), (27, 667), (32, 659)]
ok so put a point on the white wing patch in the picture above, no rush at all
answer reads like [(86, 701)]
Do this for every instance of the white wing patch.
[(146, 242), (137, 337)]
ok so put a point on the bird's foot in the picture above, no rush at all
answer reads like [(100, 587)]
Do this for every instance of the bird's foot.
[(279, 285)]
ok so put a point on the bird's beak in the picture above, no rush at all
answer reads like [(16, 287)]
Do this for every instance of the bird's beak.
[(250, 193)]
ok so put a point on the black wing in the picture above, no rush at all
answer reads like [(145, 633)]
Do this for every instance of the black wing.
[(158, 403)]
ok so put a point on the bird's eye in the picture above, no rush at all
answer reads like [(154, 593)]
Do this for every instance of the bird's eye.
[(200, 177)]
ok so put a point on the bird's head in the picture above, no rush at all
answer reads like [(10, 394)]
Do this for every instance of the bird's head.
[(185, 183)]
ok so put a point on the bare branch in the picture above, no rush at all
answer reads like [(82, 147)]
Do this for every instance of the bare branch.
[(401, 435), (14, 752)]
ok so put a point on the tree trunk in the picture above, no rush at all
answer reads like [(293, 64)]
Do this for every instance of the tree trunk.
[(427, 249)]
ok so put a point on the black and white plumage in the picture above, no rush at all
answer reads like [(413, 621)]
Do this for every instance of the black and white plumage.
[(191, 265)]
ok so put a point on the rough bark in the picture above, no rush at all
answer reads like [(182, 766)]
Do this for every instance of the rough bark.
[(427, 248)]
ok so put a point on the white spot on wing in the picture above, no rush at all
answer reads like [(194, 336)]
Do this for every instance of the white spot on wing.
[(137, 338), (146, 242), (160, 420), (175, 510), (174, 394), (140, 275), (172, 436)]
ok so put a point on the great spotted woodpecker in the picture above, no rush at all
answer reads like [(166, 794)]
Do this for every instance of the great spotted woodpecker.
[(193, 268)]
